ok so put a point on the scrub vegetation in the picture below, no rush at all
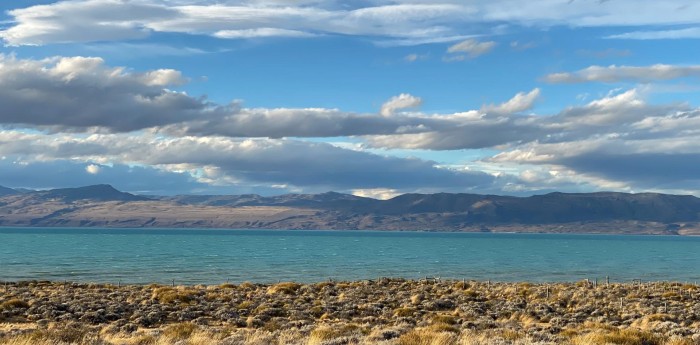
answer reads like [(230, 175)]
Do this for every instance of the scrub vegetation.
[(382, 311)]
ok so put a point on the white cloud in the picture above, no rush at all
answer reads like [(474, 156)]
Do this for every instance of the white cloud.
[(82, 93), (255, 161), (491, 126), (261, 32), (402, 101), (521, 46), (415, 57), (519, 103), (93, 169), (598, 143), (411, 57), (74, 21), (377, 193), (692, 33), (614, 74), (470, 48), (403, 22)]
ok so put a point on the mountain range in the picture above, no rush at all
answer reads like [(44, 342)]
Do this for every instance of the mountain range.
[(603, 212)]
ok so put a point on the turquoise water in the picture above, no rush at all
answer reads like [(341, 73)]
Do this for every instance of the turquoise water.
[(217, 256)]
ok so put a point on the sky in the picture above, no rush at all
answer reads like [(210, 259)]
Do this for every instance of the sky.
[(370, 97)]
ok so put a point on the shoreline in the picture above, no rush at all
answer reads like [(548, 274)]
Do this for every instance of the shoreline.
[(381, 311), (377, 231)]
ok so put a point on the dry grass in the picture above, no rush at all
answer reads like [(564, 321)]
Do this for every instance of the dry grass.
[(14, 304), (168, 295), (427, 336), (437, 334), (288, 288), (619, 337), (384, 312)]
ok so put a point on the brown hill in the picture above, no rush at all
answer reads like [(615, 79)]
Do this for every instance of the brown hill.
[(605, 212)]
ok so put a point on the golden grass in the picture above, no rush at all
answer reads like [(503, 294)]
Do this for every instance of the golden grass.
[(389, 312), (167, 295), (435, 334), (427, 336), (404, 312), (14, 303), (179, 331), (323, 334), (287, 288), (446, 319), (618, 337)]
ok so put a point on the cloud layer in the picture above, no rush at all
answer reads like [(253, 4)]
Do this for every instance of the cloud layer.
[(287, 163), (80, 93), (94, 120), (401, 22), (614, 74)]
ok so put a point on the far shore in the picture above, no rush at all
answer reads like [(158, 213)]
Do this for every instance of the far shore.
[(380, 311), (530, 231)]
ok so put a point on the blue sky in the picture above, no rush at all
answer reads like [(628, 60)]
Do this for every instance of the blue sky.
[(373, 98)]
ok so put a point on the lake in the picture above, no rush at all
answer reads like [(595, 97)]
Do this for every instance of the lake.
[(195, 256)]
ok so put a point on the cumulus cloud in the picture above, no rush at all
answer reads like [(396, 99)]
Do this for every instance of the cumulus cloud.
[(618, 142), (614, 74), (379, 193), (520, 102), (654, 163), (252, 161), (623, 114), (614, 109), (285, 122), (491, 126), (204, 143), (19, 173), (93, 169), (81, 93), (402, 101)]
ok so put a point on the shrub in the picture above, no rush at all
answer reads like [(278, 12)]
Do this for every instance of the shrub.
[(619, 337), (14, 304), (427, 337), (323, 334), (446, 319), (169, 295), (180, 331), (404, 312), (287, 288)]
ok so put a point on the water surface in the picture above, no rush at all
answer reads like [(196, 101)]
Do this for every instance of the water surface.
[(216, 256)]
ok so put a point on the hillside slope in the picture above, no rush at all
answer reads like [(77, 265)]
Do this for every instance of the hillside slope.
[(607, 212)]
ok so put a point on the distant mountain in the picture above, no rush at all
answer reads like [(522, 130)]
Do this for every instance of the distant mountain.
[(606, 212), (549, 208), (7, 191), (25, 190), (491, 209), (100, 192), (329, 200)]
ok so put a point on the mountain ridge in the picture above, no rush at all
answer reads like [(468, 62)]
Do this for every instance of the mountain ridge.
[(609, 212), (98, 192), (7, 191)]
